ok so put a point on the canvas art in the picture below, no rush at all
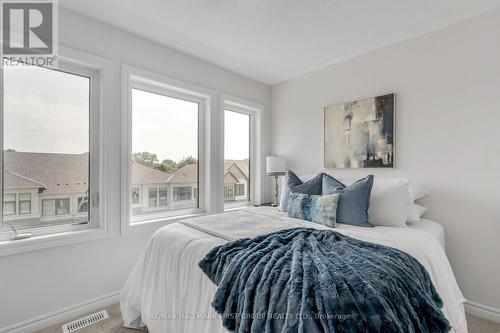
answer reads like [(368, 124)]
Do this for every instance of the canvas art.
[(360, 134)]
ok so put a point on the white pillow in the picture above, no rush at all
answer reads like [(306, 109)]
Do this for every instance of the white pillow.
[(415, 212), (389, 202), (416, 192)]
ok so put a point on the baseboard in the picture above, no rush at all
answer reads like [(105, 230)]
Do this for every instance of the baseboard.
[(473, 308), (482, 311), (62, 315)]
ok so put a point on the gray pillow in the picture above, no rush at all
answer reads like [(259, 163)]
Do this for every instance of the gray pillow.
[(354, 199), (295, 184)]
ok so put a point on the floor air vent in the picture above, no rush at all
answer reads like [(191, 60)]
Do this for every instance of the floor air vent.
[(85, 321)]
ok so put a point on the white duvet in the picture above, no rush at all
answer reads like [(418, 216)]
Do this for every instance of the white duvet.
[(168, 292)]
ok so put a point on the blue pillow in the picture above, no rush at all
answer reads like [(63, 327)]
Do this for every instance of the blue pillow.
[(294, 184), (354, 199), (320, 209)]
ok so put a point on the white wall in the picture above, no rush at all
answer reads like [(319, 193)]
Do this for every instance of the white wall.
[(447, 133), (37, 283)]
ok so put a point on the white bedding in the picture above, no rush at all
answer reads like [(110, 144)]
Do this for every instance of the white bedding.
[(168, 292), (431, 227)]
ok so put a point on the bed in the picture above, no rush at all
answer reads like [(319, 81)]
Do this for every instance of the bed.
[(168, 292)]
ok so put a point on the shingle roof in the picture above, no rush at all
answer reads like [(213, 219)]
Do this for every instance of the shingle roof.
[(57, 173), (68, 173), (186, 174), (142, 174), (13, 180), (241, 164)]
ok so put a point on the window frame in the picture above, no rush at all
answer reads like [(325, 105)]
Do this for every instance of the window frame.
[(11, 201), (133, 77), (237, 188), (183, 187), (98, 70), (254, 110), (56, 201), (20, 201)]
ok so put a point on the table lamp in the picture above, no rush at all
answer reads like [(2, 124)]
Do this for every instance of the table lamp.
[(275, 167)]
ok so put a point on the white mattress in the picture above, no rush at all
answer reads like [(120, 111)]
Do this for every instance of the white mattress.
[(168, 292), (431, 227)]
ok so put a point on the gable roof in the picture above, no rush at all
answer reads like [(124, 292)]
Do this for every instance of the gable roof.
[(57, 173), (68, 173), (186, 174), (142, 174), (13, 180)]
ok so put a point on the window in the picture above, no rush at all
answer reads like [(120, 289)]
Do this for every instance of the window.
[(153, 197), (236, 156), (53, 207), (163, 191), (228, 192), (182, 193), (83, 205), (134, 195), (158, 197), (239, 189), (164, 149), (9, 204), (46, 125), (24, 203)]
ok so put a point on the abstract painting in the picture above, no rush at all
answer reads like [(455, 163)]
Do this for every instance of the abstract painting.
[(360, 134)]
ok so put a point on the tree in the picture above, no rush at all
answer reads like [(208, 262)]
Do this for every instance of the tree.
[(168, 166), (145, 158), (186, 161)]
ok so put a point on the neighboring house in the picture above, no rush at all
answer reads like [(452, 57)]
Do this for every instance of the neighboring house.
[(47, 188), (42, 188), (236, 175)]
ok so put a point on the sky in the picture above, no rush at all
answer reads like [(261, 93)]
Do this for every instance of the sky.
[(47, 111)]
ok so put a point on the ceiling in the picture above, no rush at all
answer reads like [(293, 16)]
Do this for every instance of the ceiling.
[(274, 40)]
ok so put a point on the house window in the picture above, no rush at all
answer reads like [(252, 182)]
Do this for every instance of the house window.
[(182, 193), (46, 126), (158, 197), (135, 195), (24, 203), (153, 197), (164, 147), (239, 189), (9, 204), (237, 143), (162, 193), (228, 192), (83, 205), (195, 193), (53, 207)]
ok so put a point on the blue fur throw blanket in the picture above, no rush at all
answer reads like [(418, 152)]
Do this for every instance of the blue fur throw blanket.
[(307, 280)]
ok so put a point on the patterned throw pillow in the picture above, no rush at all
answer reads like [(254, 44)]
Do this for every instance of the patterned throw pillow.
[(321, 209), (295, 184)]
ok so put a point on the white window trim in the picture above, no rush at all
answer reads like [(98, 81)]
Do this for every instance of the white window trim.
[(133, 77), (99, 69), (254, 110)]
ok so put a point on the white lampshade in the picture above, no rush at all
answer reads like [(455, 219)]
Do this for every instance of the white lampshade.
[(275, 165)]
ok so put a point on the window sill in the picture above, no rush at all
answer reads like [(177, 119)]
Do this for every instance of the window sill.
[(9, 247), (155, 224), (237, 206)]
